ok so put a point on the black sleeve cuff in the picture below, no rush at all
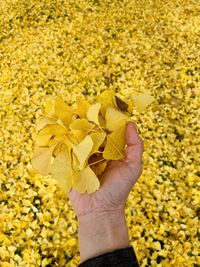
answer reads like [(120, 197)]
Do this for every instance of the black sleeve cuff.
[(119, 258)]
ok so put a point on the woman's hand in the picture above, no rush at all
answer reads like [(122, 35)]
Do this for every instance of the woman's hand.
[(116, 181)]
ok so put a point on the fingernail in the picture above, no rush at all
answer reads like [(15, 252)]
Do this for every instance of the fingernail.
[(131, 122), (127, 122)]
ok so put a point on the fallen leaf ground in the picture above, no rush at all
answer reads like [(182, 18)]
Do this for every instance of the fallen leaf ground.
[(68, 48)]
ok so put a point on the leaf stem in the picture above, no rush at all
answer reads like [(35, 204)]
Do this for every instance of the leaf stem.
[(114, 146), (96, 162)]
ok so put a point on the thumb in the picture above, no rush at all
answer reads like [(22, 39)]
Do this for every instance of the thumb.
[(73, 194), (133, 152)]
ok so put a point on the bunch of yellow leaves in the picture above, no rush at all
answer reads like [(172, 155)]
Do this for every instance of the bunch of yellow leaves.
[(74, 145)]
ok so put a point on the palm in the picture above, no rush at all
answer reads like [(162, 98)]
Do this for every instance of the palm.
[(116, 181)]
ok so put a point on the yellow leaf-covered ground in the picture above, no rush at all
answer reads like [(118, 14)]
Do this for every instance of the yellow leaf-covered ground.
[(68, 48)]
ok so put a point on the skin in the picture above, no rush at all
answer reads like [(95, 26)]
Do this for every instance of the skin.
[(101, 215)]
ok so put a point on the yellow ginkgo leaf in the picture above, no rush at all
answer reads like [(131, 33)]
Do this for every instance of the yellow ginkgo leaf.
[(99, 167), (120, 104), (86, 181), (62, 172), (95, 158), (115, 119), (80, 141), (53, 129), (97, 138), (48, 106), (106, 100), (71, 139), (82, 150), (80, 128), (43, 121), (55, 139), (124, 106), (75, 163), (49, 109), (82, 107), (93, 113), (114, 149), (41, 160), (43, 140), (59, 148), (97, 163), (63, 111), (142, 101), (102, 121), (130, 105)]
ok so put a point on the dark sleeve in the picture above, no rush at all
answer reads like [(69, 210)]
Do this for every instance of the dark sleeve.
[(119, 258)]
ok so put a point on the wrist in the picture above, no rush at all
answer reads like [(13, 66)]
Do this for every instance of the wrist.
[(99, 233)]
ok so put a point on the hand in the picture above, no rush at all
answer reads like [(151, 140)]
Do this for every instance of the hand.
[(101, 215), (116, 181)]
